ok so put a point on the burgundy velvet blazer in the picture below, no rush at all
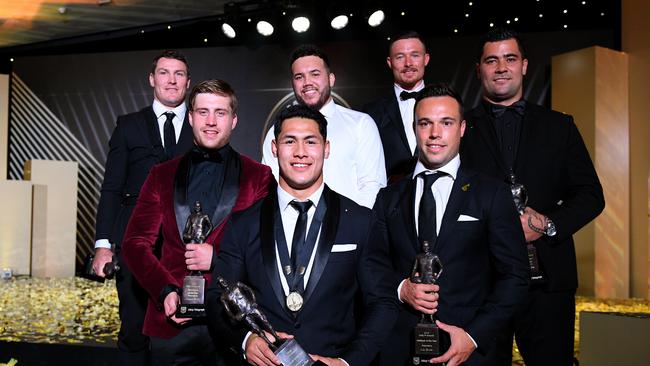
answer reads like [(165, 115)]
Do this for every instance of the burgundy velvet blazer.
[(156, 212)]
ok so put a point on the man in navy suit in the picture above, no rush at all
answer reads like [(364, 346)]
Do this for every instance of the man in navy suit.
[(140, 140), (308, 255), (471, 223), (393, 112), (544, 151)]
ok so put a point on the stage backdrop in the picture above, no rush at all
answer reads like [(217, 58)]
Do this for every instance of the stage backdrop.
[(64, 107)]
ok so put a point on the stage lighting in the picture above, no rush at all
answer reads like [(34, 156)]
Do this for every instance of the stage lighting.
[(264, 28), (376, 18), (300, 24), (228, 30), (339, 22)]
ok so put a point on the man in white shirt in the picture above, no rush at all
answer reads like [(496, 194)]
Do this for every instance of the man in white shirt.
[(355, 167), (393, 113), (309, 256)]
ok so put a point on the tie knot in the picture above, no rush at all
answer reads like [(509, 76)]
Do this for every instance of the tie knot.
[(301, 207), (430, 178), (405, 95), (170, 115)]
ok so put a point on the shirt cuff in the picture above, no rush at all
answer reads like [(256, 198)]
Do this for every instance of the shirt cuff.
[(243, 344), (399, 288), (344, 361), (102, 243), (472, 339)]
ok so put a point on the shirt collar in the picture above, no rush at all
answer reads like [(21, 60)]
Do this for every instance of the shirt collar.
[(328, 109), (398, 89), (284, 198), (450, 168), (159, 109)]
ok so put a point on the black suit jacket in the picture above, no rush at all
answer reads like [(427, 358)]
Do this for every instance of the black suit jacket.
[(554, 165), (485, 271), (134, 148), (385, 112), (340, 283)]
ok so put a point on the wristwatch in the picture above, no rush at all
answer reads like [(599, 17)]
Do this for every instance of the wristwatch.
[(550, 230)]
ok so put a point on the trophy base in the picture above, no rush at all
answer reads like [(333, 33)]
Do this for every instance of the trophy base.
[(190, 311), (291, 354), (429, 342)]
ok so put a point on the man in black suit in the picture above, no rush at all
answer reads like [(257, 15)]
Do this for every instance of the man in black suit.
[(393, 113), (307, 254), (544, 151), (140, 140), (471, 223)]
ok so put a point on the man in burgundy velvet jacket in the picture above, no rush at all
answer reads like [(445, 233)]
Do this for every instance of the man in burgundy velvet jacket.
[(224, 182)]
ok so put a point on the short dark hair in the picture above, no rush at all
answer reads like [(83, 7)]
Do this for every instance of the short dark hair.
[(214, 86), (438, 90), (170, 54), (300, 111), (309, 50), (501, 34), (406, 35)]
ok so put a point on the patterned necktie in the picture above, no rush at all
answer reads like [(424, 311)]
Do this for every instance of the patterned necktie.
[(170, 134), (427, 214)]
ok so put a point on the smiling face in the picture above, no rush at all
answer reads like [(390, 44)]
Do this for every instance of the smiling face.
[(170, 81), (212, 120), (407, 60), (312, 82), (438, 129), (501, 70), (301, 151)]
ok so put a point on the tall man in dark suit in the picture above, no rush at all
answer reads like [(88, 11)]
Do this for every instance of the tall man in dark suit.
[(471, 223), (223, 181), (393, 113), (545, 151), (140, 140), (306, 252)]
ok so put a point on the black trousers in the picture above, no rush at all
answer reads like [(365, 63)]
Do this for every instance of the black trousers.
[(132, 345), (192, 347)]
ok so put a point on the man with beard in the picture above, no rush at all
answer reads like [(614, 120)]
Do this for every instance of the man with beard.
[(355, 167), (393, 113), (223, 181), (542, 149)]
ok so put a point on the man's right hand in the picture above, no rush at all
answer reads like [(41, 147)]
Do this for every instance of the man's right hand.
[(421, 297), (258, 352), (102, 256)]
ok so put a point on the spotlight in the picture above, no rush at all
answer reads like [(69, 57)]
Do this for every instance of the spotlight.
[(228, 30), (339, 22), (376, 18), (300, 24), (264, 28)]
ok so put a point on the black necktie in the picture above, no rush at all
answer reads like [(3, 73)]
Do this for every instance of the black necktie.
[(427, 214), (170, 134), (404, 95), (299, 234)]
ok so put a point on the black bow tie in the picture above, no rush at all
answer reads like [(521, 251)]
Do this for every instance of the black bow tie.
[(200, 155), (518, 107), (405, 95)]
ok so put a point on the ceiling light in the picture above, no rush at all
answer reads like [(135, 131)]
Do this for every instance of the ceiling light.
[(403, 13), (264, 28), (300, 24), (339, 22), (376, 18), (507, 22), (491, 24), (565, 11), (455, 30), (228, 30), (516, 19), (565, 26)]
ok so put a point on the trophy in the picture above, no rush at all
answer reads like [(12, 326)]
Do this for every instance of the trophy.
[(197, 228), (429, 340), (239, 303), (520, 196), (110, 268)]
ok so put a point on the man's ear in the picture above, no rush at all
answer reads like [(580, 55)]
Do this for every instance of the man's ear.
[(274, 148)]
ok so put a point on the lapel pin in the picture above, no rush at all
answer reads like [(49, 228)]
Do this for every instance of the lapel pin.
[(465, 188)]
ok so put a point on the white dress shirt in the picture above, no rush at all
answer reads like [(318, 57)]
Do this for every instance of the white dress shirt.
[(406, 111), (355, 167)]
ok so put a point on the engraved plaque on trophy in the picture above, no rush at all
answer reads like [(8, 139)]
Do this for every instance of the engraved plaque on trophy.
[(428, 339), (239, 302), (192, 304), (520, 196)]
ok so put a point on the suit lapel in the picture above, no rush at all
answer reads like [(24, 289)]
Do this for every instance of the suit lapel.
[(151, 130), (396, 120), (482, 122), (268, 219), (186, 138), (229, 189), (181, 206), (407, 207), (528, 125), (328, 232), (459, 193)]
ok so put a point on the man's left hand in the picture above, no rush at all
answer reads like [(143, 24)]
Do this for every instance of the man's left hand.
[(198, 257), (461, 346), (536, 219), (329, 361), (171, 304)]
